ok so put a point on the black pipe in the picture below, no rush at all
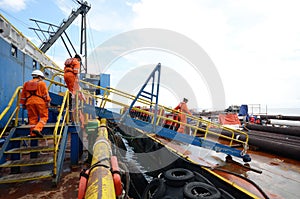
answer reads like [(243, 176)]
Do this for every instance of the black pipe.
[(295, 131), (289, 139), (280, 117), (283, 145), (275, 147)]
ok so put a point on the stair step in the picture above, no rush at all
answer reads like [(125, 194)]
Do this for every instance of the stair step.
[(28, 162), (26, 126), (30, 138), (30, 149), (22, 177)]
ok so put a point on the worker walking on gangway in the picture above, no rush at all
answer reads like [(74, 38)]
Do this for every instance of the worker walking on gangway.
[(183, 110)]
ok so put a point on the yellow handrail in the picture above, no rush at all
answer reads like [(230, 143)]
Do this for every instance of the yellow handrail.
[(195, 128), (232, 138), (16, 93), (15, 112), (57, 137), (55, 82), (53, 68), (10, 118)]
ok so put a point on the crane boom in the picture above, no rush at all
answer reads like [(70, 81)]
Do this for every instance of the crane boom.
[(83, 9)]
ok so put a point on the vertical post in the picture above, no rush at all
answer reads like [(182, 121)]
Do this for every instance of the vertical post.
[(83, 43), (74, 148), (18, 108)]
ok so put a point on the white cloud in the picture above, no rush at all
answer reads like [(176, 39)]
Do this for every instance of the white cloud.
[(252, 43), (13, 5)]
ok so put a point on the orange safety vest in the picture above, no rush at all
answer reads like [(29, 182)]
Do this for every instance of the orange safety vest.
[(34, 88), (72, 65)]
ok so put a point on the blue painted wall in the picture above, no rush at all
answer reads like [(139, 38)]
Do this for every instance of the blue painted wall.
[(14, 72)]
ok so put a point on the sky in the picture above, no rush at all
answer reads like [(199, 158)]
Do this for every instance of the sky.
[(253, 44)]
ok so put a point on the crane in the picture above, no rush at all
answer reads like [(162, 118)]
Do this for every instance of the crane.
[(60, 30)]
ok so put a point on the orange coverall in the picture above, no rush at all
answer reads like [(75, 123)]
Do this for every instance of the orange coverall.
[(72, 67), (183, 110), (36, 104)]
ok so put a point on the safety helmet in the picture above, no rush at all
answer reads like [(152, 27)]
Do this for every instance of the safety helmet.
[(37, 73)]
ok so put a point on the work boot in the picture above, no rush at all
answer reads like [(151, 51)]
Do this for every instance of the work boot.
[(37, 133), (31, 135)]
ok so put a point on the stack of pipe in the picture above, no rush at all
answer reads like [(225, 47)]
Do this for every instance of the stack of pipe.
[(283, 141)]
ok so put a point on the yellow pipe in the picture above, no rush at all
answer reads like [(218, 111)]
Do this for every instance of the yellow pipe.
[(100, 183)]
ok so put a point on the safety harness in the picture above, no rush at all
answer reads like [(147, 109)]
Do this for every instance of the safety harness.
[(31, 87), (69, 65)]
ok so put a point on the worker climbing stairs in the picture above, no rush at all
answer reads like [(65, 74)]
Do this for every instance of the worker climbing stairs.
[(25, 158)]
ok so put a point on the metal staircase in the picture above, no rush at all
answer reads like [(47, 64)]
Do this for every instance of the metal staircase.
[(24, 158), (20, 152)]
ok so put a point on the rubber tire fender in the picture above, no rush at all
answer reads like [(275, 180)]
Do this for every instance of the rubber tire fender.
[(178, 177), (156, 188), (193, 190)]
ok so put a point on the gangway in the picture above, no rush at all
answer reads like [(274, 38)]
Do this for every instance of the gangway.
[(150, 117)]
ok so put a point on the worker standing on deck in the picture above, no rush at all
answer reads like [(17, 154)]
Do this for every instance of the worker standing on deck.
[(35, 98), (183, 110), (71, 71)]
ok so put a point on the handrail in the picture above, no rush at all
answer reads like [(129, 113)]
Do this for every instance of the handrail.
[(15, 112), (53, 68), (207, 131), (57, 137), (11, 102), (53, 81), (108, 92), (195, 128), (10, 118)]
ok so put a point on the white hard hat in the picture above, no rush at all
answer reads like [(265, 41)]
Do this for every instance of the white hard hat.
[(37, 73)]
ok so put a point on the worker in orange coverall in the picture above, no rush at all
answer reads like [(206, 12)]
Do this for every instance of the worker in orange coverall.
[(183, 110), (35, 98), (71, 71)]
